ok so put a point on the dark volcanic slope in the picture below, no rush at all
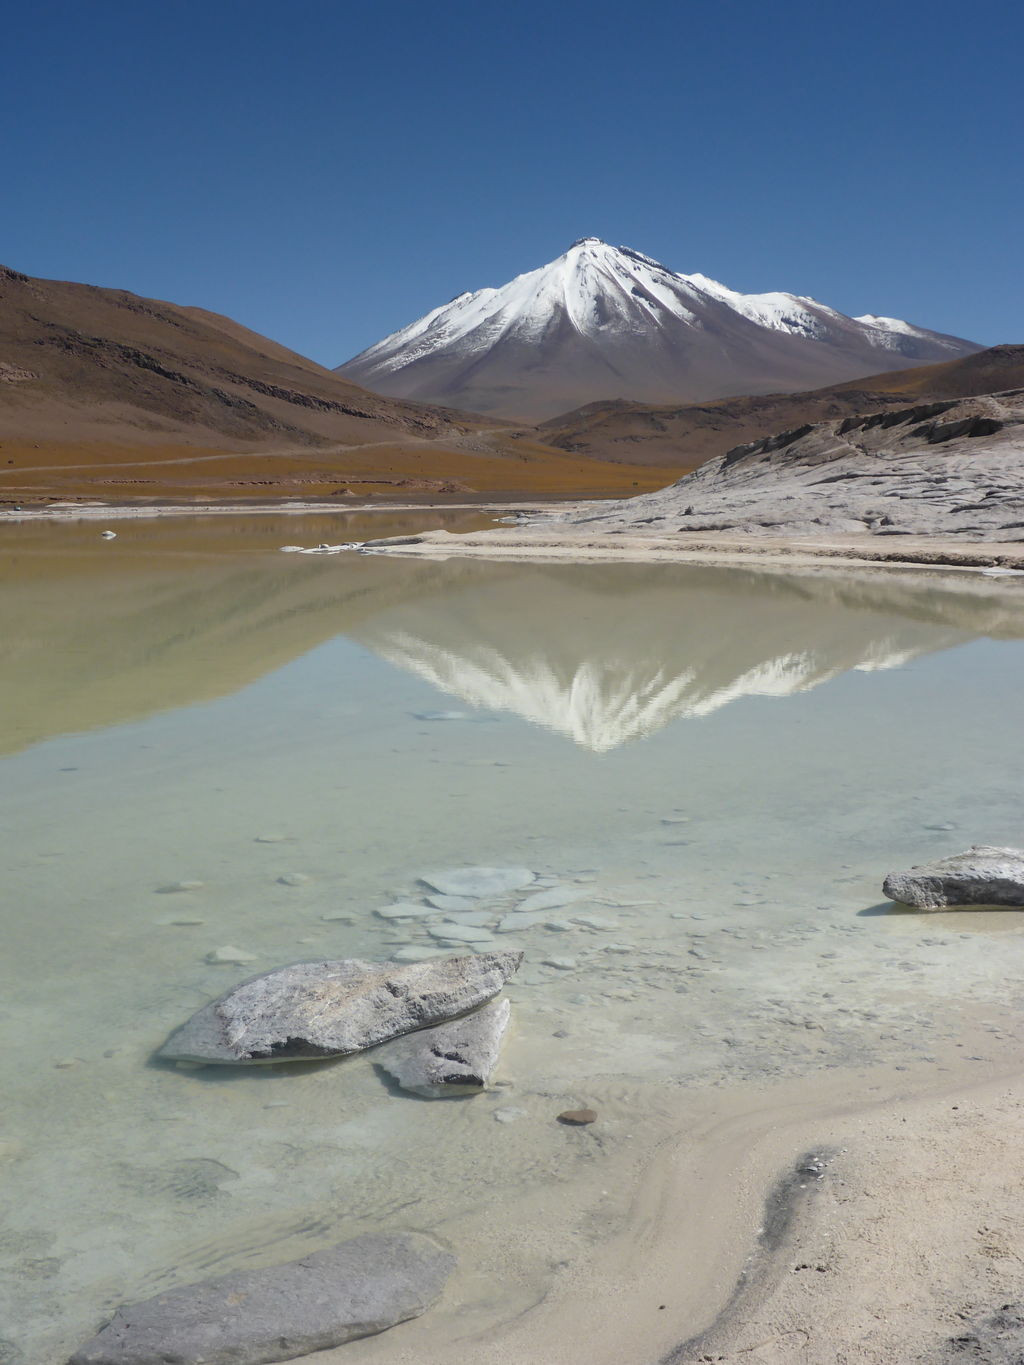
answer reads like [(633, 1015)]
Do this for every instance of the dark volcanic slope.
[(686, 435), (83, 363)]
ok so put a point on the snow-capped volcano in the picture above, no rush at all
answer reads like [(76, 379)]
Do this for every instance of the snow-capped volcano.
[(604, 322)]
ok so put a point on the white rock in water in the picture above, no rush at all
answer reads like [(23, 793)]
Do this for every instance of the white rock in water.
[(563, 964), (406, 910), (410, 953), (460, 933), (109, 535), (293, 879), (479, 881), (233, 957), (452, 1057), (452, 903), (595, 922), (553, 899), (515, 922), (258, 1316), (329, 1009), (982, 876), (172, 887)]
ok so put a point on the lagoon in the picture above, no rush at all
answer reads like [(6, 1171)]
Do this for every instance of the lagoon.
[(722, 762)]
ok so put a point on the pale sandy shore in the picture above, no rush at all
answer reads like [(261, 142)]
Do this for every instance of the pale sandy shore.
[(847, 1220), (570, 543)]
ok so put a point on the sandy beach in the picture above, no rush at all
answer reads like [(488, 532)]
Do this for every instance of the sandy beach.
[(787, 1225)]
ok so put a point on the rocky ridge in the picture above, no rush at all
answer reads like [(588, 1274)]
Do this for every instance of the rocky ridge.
[(949, 468)]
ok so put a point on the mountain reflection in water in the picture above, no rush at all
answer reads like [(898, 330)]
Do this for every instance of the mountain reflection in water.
[(603, 654)]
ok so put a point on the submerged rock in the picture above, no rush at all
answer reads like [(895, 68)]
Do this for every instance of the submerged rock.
[(452, 904), (329, 1009), (254, 1317), (578, 1116), (552, 899), (229, 956), (451, 1058), (478, 881), (981, 876), (461, 933)]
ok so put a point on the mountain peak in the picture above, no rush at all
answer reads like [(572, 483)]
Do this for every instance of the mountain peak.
[(604, 322)]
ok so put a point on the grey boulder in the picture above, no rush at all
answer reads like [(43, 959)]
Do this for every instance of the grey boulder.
[(351, 1290), (328, 1009), (981, 876), (451, 1058)]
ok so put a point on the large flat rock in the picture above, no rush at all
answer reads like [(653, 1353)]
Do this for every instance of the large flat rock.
[(352, 1290), (328, 1009), (452, 1058), (981, 876)]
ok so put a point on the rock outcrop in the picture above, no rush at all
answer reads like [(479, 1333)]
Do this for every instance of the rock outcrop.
[(257, 1316), (329, 1009), (452, 1058), (981, 876), (951, 468)]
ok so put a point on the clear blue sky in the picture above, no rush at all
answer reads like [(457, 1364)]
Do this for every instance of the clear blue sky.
[(327, 170)]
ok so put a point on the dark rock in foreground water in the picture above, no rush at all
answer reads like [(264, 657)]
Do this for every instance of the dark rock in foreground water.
[(981, 876), (256, 1316), (452, 1057), (328, 1009)]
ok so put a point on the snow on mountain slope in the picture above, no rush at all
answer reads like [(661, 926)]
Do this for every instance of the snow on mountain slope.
[(606, 322)]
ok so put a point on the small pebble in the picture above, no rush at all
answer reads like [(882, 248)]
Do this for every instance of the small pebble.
[(66, 1063), (509, 1115), (270, 839), (578, 1116), (172, 887), (293, 879), (339, 917), (563, 964)]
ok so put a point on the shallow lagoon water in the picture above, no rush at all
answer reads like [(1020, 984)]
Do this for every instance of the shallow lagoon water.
[(724, 762)]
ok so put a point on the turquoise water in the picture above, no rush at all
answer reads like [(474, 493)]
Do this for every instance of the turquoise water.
[(723, 762)]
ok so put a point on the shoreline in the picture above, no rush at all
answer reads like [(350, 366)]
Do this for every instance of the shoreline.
[(784, 1225), (69, 512), (548, 544), (908, 552)]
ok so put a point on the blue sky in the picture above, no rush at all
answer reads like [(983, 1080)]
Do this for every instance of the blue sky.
[(325, 171)]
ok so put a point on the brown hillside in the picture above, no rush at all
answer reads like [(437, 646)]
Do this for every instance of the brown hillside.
[(106, 394), (684, 436)]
